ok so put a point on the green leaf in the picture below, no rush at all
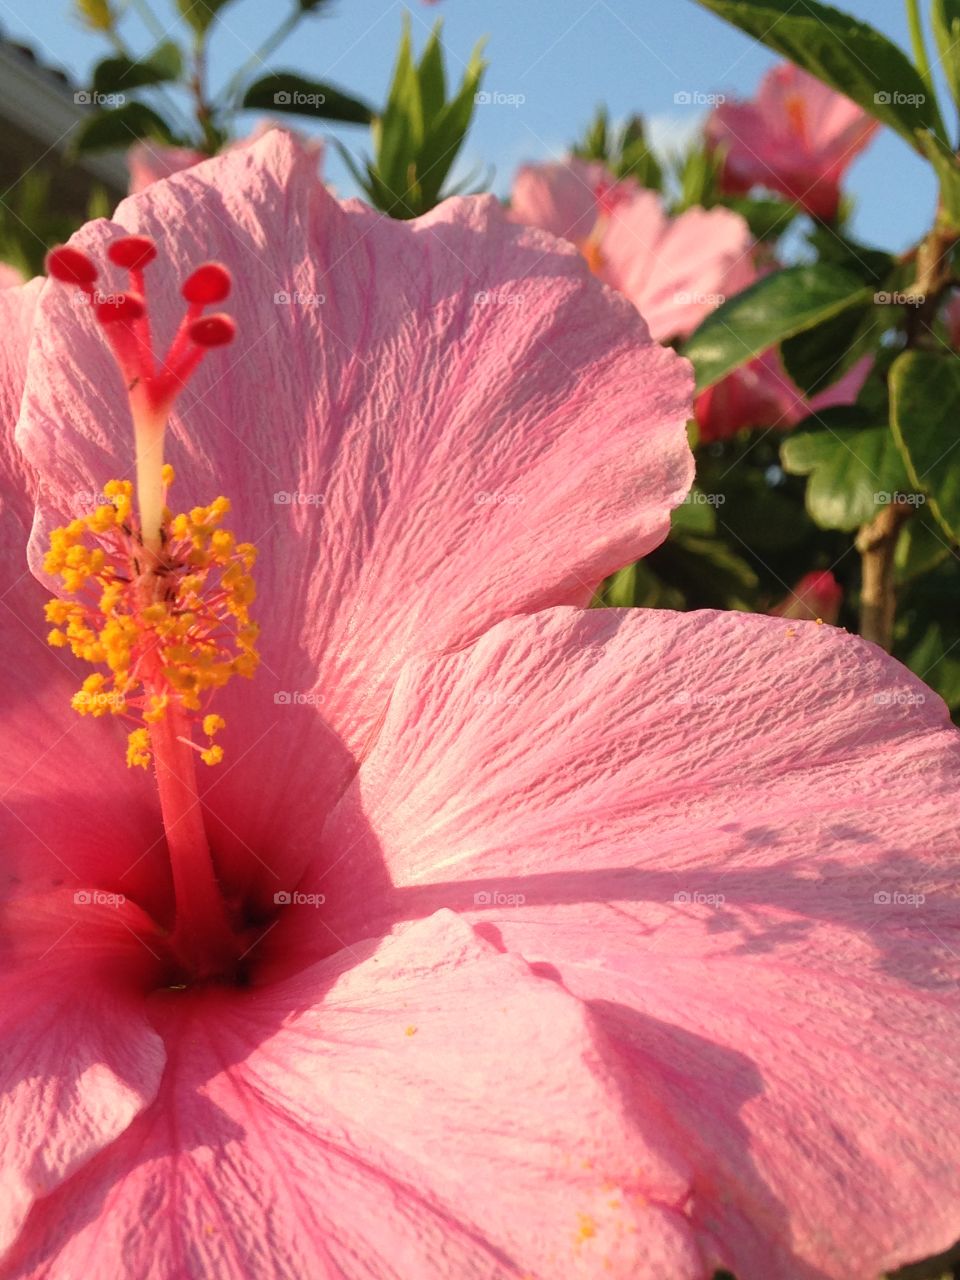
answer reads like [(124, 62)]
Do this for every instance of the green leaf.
[(707, 570), (621, 588), (853, 471), (200, 14), (432, 77), (776, 307), (819, 356), (398, 132), (925, 417), (698, 173), (448, 129), (850, 56), (290, 93), (596, 140), (872, 266), (637, 158), (114, 75), (921, 547), (945, 16), (120, 127), (767, 219)]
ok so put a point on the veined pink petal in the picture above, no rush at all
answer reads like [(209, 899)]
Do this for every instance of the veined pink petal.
[(151, 162), (675, 270), (735, 837), (17, 304), (421, 1107), (80, 1058), (424, 427)]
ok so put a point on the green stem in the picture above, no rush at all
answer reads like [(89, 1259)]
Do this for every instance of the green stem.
[(918, 44)]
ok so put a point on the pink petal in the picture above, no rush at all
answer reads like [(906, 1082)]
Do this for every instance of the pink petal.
[(476, 426), (81, 1059), (583, 786), (422, 1107), (762, 394), (846, 388), (758, 394), (560, 198), (151, 162), (676, 271)]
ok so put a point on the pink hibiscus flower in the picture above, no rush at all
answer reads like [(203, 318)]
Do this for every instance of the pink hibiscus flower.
[(674, 270), (762, 394), (474, 957), (797, 137)]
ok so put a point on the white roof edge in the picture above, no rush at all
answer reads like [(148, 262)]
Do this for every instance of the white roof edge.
[(34, 102)]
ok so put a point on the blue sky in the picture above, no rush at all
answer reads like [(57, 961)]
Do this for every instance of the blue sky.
[(562, 56)]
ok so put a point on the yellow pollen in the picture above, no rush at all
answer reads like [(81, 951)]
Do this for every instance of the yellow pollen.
[(170, 630), (796, 110), (138, 748), (588, 1228), (590, 248)]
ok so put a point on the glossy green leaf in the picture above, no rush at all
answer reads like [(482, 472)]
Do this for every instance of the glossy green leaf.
[(120, 127), (819, 356), (116, 75), (925, 416), (776, 307), (853, 471), (288, 92)]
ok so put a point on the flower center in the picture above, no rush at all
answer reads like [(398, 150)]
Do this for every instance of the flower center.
[(607, 195), (159, 602), (797, 115)]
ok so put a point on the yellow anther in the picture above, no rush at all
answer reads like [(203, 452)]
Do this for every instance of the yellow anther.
[(188, 633), (156, 708), (138, 748), (166, 475)]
